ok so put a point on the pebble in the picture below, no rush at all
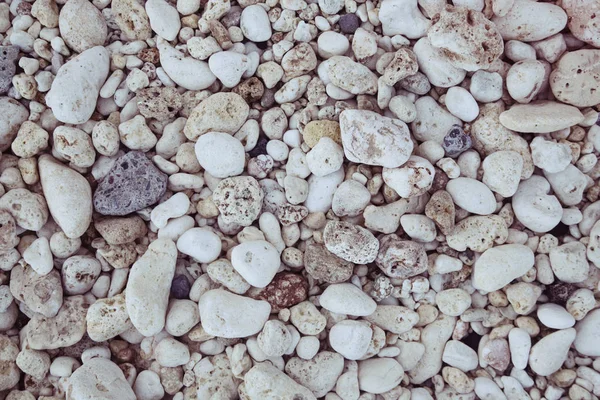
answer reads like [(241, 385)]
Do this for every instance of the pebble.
[(554, 316), (540, 117), (228, 315), (461, 104), (148, 309), (453, 302), (285, 290), (187, 72), (525, 79), (456, 142), (164, 19), (68, 194), (315, 130), (256, 261), (75, 88), (12, 115), (351, 76), (170, 353), (486, 86), (529, 22), (379, 375), (519, 343), (412, 179), (550, 156), (325, 157), (434, 337), (99, 377), (255, 23), (502, 172), (201, 244), (228, 67), (575, 76), (403, 17), (581, 20), (8, 66), (515, 260), (569, 262), (467, 38), (220, 154), (529, 212), (587, 334), (396, 319), (147, 386), (433, 122), (8, 356), (82, 26), (220, 112), (472, 196), (264, 381), (321, 264), (401, 258), (434, 64), (345, 298), (549, 354), (343, 238), (319, 374), (107, 318), (349, 23), (131, 18), (351, 338), (459, 355), (368, 137), (274, 339), (132, 184), (239, 200)]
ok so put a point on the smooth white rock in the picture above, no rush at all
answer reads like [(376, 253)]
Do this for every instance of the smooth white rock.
[(588, 334), (568, 185), (257, 261), (379, 375), (529, 21), (487, 389), (164, 19), (201, 244), (228, 67), (434, 337), (227, 315), (459, 355), (75, 88), (39, 256), (549, 354), (255, 23), (502, 172), (321, 190), (351, 338), (519, 343), (346, 298), (325, 157), (534, 207), (498, 266), (266, 382), (461, 104), (472, 196), (435, 65), (187, 72), (403, 17), (550, 156), (220, 154), (147, 309), (555, 316), (99, 378)]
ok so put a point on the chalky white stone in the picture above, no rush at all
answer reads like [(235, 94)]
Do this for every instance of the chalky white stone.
[(459, 355), (266, 382), (346, 298), (499, 265), (201, 244), (534, 207), (164, 19), (187, 72), (220, 154), (99, 378), (228, 67), (255, 23), (461, 104), (549, 354), (75, 88), (379, 375), (370, 138), (147, 309), (256, 261), (588, 334), (472, 196), (351, 338), (227, 315), (555, 316), (529, 22), (519, 343), (39, 256)]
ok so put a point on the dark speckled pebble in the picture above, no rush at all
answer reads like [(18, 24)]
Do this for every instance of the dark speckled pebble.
[(180, 287), (8, 67), (132, 184), (349, 23), (456, 141)]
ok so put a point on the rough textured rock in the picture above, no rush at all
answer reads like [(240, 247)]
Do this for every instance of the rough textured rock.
[(466, 38), (285, 290), (401, 258), (42, 294), (99, 378), (322, 264), (8, 66), (576, 77), (132, 184)]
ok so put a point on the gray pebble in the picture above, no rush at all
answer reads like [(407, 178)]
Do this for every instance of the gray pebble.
[(8, 67)]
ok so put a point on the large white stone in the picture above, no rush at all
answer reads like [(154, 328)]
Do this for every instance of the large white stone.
[(148, 287), (549, 354), (75, 89), (351, 338), (228, 315), (498, 266), (187, 72), (99, 378), (588, 334), (346, 298), (257, 261)]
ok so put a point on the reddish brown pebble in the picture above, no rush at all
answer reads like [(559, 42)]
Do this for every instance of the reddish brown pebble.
[(285, 290)]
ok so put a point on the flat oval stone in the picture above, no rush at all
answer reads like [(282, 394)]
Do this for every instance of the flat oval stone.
[(498, 266), (133, 183), (529, 21), (346, 298), (541, 117)]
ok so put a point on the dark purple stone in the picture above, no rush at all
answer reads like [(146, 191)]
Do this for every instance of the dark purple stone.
[(132, 184), (456, 141), (8, 66), (349, 23), (260, 148), (180, 287)]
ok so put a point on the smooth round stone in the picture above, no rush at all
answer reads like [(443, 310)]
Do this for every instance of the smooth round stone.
[(412, 179), (132, 184), (264, 381), (351, 338), (187, 72), (164, 18), (147, 386), (227, 315), (524, 80), (588, 334), (256, 261), (549, 354), (349, 23), (379, 375), (228, 67), (472, 196), (459, 355), (555, 316), (201, 244), (498, 266), (456, 141), (502, 172), (255, 23), (534, 207), (220, 154), (461, 104), (346, 298)]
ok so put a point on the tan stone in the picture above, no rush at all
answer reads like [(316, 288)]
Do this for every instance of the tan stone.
[(315, 130), (576, 77)]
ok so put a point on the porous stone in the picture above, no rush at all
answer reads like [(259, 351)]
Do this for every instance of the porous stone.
[(221, 112), (401, 258), (82, 25), (239, 200), (576, 76), (319, 374), (350, 242), (8, 66), (322, 264), (285, 290), (132, 183)]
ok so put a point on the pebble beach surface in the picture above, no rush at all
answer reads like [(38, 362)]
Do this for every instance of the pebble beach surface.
[(299, 200)]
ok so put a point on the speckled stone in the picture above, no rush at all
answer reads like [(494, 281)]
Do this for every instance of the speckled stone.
[(8, 67), (349, 23), (285, 290), (132, 184), (161, 103), (456, 142), (315, 130)]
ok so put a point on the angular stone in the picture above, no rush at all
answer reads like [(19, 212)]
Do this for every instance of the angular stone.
[(41, 294), (322, 264), (285, 290), (132, 184)]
